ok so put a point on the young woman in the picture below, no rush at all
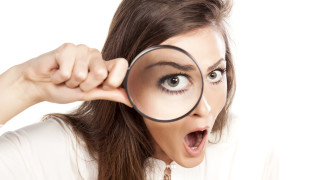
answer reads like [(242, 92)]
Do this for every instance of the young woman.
[(105, 138)]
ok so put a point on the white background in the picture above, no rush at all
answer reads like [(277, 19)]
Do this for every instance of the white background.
[(276, 54)]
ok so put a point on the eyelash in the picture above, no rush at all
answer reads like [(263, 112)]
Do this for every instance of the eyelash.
[(168, 76)]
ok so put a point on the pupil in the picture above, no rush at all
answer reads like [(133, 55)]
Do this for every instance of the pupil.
[(174, 81), (213, 75)]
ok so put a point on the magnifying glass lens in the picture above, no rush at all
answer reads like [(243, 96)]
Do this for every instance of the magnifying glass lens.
[(164, 83)]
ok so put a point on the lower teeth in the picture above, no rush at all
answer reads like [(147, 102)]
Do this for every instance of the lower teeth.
[(194, 147)]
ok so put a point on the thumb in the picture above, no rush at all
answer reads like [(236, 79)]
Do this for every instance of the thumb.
[(117, 95)]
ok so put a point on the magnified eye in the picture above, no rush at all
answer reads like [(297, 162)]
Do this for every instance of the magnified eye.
[(175, 83), (215, 76)]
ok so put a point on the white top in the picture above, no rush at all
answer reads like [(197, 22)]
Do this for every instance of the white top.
[(48, 150)]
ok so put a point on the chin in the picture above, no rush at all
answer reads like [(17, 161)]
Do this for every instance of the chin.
[(189, 162)]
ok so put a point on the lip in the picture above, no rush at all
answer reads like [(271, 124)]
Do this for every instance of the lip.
[(196, 152), (200, 129)]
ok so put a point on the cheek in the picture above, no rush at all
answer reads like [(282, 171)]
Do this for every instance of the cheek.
[(223, 91), (157, 131), (216, 96), (164, 134)]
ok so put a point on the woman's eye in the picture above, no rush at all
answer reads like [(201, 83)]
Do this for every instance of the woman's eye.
[(215, 76), (175, 83)]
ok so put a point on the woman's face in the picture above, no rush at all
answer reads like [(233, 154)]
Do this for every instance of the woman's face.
[(184, 141)]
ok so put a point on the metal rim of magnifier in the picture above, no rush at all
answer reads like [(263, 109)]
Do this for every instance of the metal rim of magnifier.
[(152, 49)]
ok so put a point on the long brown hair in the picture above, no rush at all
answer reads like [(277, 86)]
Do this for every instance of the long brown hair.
[(116, 135)]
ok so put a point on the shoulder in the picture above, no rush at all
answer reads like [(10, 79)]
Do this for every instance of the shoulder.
[(46, 148), (42, 136)]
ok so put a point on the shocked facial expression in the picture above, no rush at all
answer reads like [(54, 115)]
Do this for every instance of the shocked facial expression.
[(184, 141)]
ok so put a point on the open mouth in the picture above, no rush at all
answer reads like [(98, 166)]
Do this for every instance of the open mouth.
[(194, 142)]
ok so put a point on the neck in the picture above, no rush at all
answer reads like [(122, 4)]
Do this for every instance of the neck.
[(160, 154)]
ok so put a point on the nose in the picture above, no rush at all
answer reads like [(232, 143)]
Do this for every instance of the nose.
[(202, 109)]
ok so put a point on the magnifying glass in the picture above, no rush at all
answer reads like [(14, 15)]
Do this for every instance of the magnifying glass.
[(164, 83)]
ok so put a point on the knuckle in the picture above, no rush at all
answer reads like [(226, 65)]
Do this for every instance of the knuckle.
[(67, 46), (95, 52), (82, 51), (65, 75), (64, 49), (82, 47), (80, 76), (100, 73)]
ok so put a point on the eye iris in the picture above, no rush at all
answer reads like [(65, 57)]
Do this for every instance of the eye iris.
[(213, 75), (174, 81)]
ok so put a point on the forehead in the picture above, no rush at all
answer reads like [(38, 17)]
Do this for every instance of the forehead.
[(206, 45)]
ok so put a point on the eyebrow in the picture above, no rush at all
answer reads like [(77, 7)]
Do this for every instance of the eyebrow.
[(215, 65), (173, 64)]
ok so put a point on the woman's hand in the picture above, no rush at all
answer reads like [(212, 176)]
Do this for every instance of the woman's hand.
[(67, 74)]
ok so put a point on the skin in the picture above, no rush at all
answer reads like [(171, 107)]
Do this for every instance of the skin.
[(67, 74), (207, 46), (78, 73)]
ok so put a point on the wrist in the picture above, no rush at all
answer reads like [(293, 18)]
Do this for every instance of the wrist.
[(24, 89), (15, 93)]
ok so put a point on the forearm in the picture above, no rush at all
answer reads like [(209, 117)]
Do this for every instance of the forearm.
[(14, 94)]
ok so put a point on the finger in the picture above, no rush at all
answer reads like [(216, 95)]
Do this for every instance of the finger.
[(76, 94), (65, 57), (80, 68), (116, 95), (98, 72), (42, 67), (117, 69)]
